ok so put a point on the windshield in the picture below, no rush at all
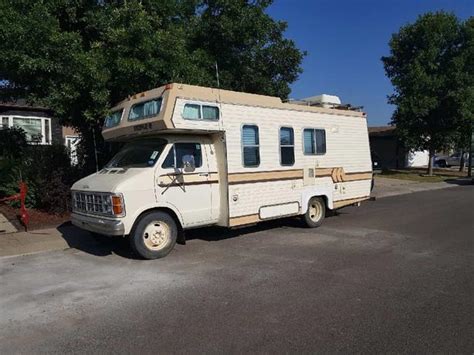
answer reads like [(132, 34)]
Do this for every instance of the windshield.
[(138, 154), (113, 119)]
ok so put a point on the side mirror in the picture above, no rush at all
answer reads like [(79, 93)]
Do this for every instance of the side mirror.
[(189, 165)]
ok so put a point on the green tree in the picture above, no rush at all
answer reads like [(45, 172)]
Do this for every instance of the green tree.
[(426, 64), (79, 57), (464, 71)]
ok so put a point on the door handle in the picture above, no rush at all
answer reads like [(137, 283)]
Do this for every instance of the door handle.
[(203, 174)]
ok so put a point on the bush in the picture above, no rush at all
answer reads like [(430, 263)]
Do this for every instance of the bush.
[(12, 143), (48, 173)]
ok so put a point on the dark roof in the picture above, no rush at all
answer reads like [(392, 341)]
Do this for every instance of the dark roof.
[(22, 105), (382, 131)]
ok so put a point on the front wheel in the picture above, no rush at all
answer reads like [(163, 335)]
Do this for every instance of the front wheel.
[(316, 212), (154, 235)]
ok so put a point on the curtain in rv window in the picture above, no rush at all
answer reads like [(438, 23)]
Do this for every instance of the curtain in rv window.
[(192, 112), (314, 141), (250, 146), (210, 113), (145, 109), (198, 112), (113, 119), (287, 146)]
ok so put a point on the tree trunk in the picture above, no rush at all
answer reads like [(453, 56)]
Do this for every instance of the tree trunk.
[(461, 161), (469, 169), (430, 162)]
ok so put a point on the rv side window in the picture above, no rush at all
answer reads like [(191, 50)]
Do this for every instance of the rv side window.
[(250, 146), (198, 112), (192, 112), (145, 109), (287, 146), (210, 113), (174, 159), (314, 141)]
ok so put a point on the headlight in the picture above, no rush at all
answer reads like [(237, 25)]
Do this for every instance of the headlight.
[(98, 203)]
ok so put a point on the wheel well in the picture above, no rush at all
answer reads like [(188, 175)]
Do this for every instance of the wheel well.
[(161, 209), (324, 197)]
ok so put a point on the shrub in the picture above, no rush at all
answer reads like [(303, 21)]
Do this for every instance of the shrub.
[(47, 171), (12, 143)]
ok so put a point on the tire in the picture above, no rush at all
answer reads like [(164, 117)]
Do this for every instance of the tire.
[(154, 235), (316, 212), (442, 163)]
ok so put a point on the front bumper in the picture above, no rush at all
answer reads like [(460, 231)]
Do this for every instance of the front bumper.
[(98, 224)]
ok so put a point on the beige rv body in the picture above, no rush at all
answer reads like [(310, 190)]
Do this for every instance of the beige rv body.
[(223, 191)]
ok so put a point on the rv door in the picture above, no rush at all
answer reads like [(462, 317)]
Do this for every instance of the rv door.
[(184, 181)]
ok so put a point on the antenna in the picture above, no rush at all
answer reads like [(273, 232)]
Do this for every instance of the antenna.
[(217, 76), (221, 121)]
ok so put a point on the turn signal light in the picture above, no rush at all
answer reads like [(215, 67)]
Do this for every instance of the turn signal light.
[(117, 206)]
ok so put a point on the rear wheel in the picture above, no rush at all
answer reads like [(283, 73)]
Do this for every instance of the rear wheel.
[(442, 163), (316, 212), (154, 235)]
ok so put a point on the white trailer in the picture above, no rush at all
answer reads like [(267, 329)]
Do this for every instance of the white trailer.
[(201, 156)]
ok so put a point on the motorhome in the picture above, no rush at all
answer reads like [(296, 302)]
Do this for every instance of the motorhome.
[(198, 156)]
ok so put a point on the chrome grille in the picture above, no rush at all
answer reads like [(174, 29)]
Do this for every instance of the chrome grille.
[(92, 203)]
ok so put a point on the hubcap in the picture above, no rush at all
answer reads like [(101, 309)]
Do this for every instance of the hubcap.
[(315, 211), (156, 235)]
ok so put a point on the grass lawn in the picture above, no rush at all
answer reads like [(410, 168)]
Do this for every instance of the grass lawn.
[(419, 175)]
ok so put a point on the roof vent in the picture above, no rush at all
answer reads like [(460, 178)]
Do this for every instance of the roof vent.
[(324, 100)]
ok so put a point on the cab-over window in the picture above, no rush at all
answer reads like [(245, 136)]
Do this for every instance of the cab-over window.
[(145, 109)]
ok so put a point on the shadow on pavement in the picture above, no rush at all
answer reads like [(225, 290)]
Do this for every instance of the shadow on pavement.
[(98, 245), (215, 234), (460, 182)]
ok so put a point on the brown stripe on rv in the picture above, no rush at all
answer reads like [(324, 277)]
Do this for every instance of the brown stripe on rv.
[(264, 176), (187, 179), (350, 201), (339, 175), (242, 220)]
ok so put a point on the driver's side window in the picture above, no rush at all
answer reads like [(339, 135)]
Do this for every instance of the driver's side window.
[(174, 159)]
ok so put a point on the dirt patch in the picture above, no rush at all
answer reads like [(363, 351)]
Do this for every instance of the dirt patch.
[(38, 219)]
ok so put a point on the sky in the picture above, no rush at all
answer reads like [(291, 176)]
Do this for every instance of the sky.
[(345, 40)]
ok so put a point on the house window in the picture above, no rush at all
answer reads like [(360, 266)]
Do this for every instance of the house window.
[(174, 159), (200, 112), (37, 129), (250, 146), (287, 146), (113, 119), (314, 141), (145, 109)]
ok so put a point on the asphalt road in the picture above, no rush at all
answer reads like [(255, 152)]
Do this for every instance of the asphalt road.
[(395, 275)]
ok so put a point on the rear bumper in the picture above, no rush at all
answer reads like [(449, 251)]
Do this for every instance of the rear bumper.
[(98, 224)]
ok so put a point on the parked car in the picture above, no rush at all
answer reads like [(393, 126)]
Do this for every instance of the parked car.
[(376, 162), (445, 161)]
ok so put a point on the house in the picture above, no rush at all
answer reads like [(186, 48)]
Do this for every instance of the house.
[(390, 152), (40, 125), (36, 121)]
